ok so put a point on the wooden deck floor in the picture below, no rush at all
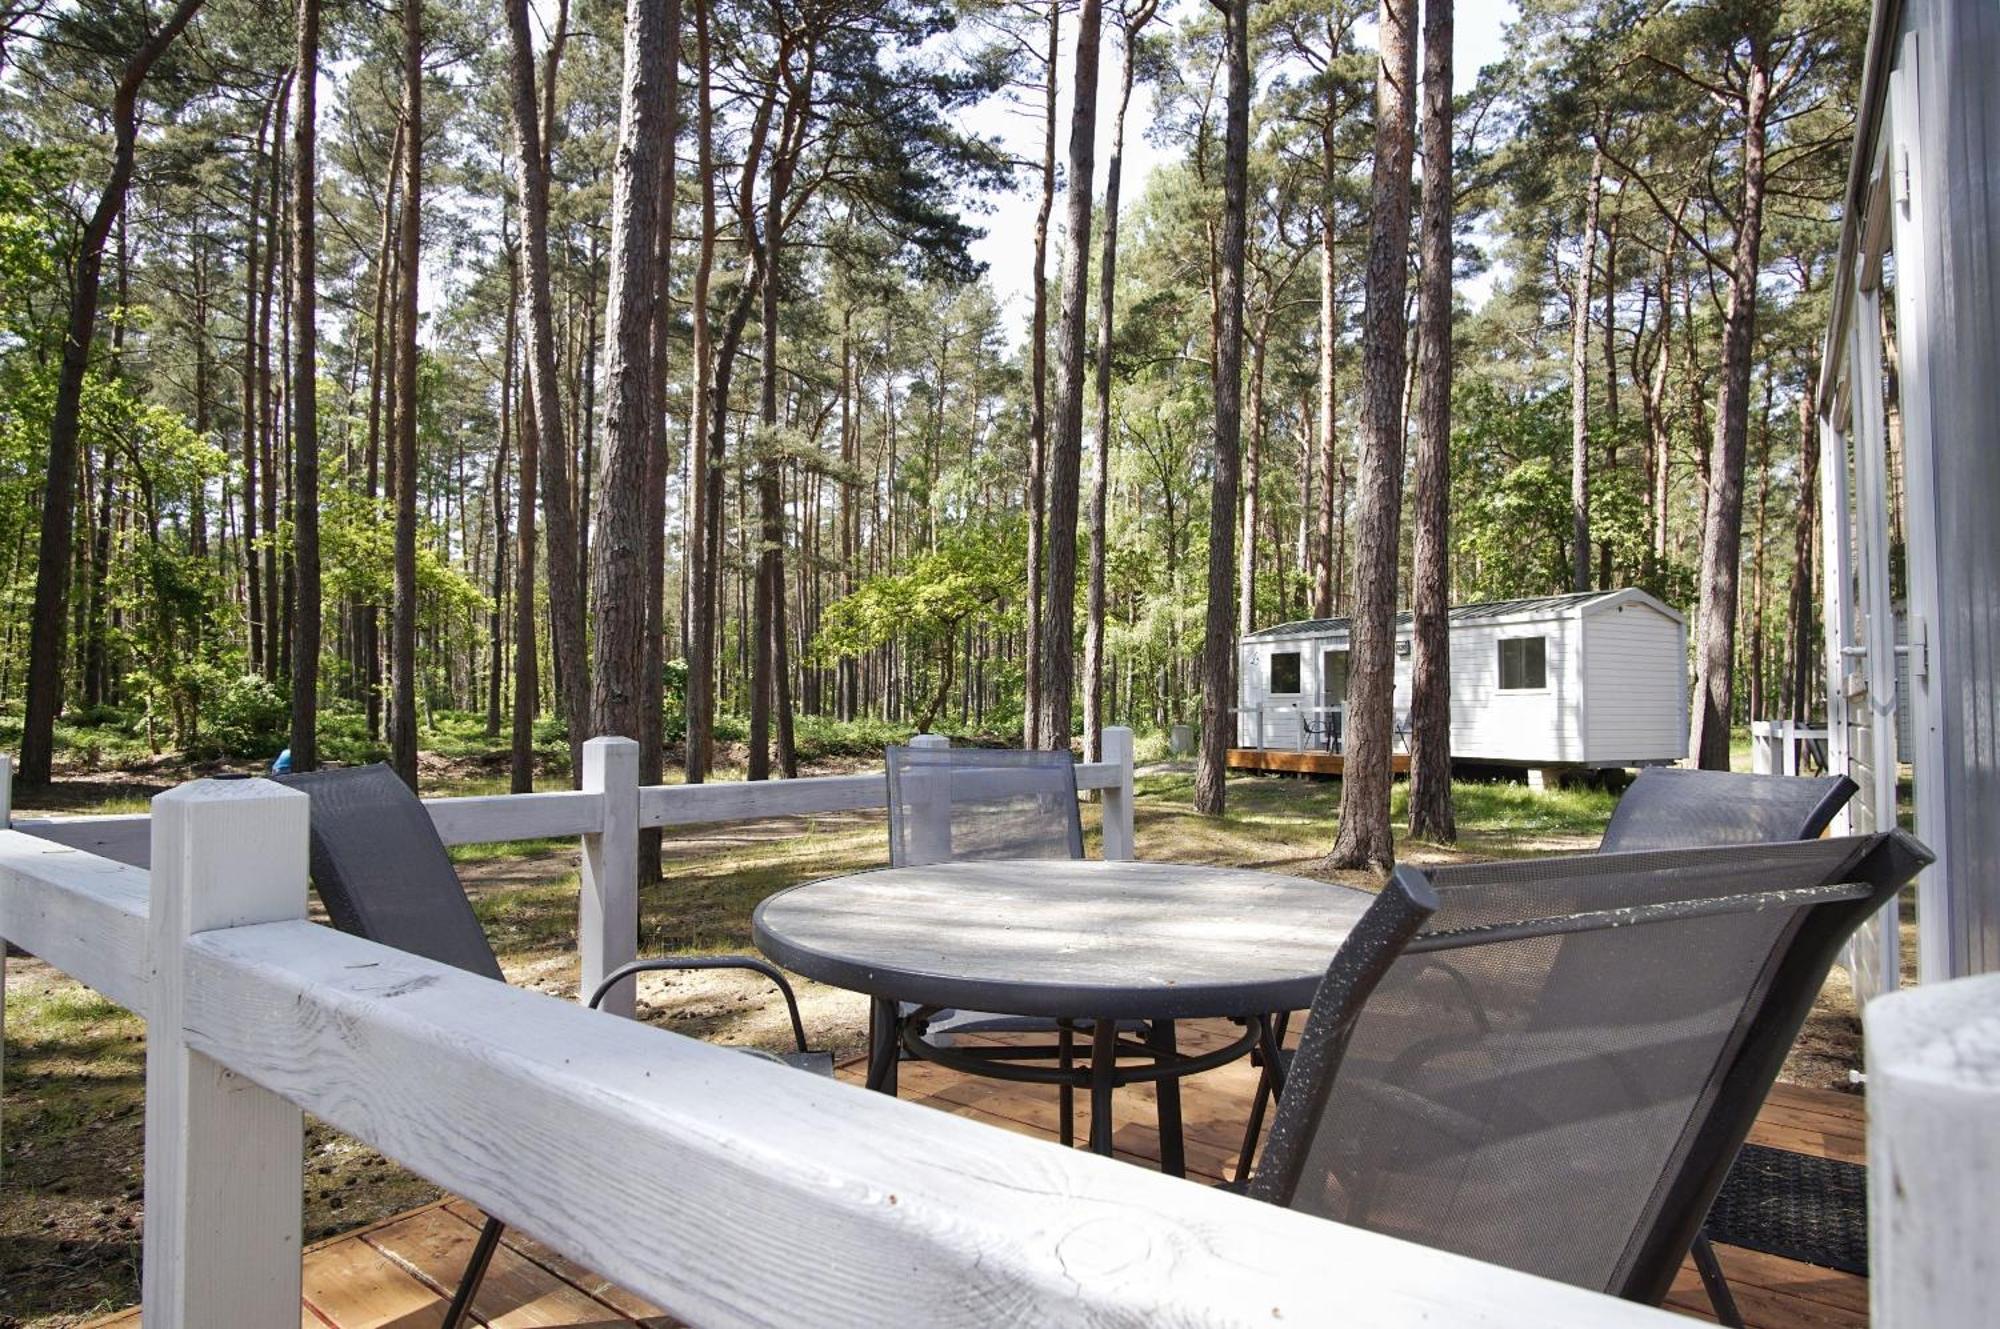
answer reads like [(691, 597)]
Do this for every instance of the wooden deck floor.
[(1309, 762), (398, 1274)]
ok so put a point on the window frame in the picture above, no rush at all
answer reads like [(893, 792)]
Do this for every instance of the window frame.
[(1500, 663), (1298, 674)]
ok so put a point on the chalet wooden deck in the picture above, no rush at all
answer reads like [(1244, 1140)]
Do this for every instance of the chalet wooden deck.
[(1310, 762), (398, 1274)]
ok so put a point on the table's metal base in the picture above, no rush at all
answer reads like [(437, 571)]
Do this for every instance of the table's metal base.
[(893, 1033)]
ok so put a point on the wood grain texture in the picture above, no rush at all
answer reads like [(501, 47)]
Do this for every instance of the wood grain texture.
[(819, 1203), (223, 1153), (1934, 1179), (1303, 763), (82, 914), (361, 1280), (607, 919), (1063, 937), (494, 818)]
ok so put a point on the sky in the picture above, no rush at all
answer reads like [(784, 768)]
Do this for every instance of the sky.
[(1007, 249)]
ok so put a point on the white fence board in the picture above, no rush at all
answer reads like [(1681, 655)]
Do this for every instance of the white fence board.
[(802, 1200), (83, 914), (489, 819)]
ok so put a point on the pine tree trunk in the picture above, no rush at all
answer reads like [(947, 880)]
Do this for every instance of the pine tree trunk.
[(1038, 435), (52, 563), (403, 617), (1364, 837), (1057, 639), (252, 555), (496, 626), (1218, 647), (1431, 816), (652, 761), (770, 691), (1722, 523), (527, 685), (304, 395), (706, 467), (1579, 383), (1327, 548), (533, 127), (1799, 654), (619, 580)]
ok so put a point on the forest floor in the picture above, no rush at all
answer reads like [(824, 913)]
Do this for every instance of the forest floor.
[(70, 1207)]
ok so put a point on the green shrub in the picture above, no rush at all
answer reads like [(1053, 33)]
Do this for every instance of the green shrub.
[(250, 718)]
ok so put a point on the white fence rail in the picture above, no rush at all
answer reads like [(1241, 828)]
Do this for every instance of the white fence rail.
[(818, 1202)]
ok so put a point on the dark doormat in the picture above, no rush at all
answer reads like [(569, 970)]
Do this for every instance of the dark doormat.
[(1795, 1205)]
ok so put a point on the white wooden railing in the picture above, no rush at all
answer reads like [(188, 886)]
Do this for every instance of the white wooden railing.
[(733, 1191)]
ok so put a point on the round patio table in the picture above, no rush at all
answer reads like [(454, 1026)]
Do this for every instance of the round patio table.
[(1099, 948)]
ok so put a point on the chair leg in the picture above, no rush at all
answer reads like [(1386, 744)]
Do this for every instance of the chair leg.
[(1066, 1092), (1712, 1281), (1269, 1085), (475, 1273)]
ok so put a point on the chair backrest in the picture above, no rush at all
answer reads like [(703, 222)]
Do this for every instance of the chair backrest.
[(1671, 808), (947, 804), (1556, 1074), (383, 873)]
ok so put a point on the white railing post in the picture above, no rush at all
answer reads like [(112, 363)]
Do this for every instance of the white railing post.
[(1117, 803), (223, 1155), (607, 919), (930, 814), (6, 791), (1933, 1154)]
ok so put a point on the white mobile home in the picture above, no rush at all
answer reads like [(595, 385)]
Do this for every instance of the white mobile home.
[(1592, 679)]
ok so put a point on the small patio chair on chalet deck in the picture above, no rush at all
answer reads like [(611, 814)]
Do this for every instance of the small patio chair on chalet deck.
[(1670, 808), (952, 804), (383, 874), (1557, 1072)]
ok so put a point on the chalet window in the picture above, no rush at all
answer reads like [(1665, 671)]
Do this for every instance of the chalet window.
[(1285, 673), (1524, 664)]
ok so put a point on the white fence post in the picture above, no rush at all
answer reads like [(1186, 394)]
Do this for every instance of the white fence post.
[(607, 921), (223, 1155), (1117, 804), (1933, 1154), (6, 791), (930, 820)]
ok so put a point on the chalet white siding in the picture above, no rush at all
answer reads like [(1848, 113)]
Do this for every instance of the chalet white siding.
[(1613, 690), (1634, 706)]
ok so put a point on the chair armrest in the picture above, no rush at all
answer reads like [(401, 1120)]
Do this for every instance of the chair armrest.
[(750, 962)]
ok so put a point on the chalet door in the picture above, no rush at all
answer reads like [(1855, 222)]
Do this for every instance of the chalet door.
[(1333, 696), (1333, 667)]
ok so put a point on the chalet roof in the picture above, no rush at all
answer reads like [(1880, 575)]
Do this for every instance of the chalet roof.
[(1531, 607)]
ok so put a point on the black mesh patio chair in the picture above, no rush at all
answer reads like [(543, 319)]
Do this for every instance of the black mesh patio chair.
[(1556, 1073), (1671, 808), (383, 874), (953, 804)]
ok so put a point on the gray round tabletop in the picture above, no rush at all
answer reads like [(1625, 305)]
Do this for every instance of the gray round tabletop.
[(1059, 938)]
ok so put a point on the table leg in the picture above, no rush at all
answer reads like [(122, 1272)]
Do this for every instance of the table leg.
[(1103, 1074), (884, 1046), (1167, 1092)]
